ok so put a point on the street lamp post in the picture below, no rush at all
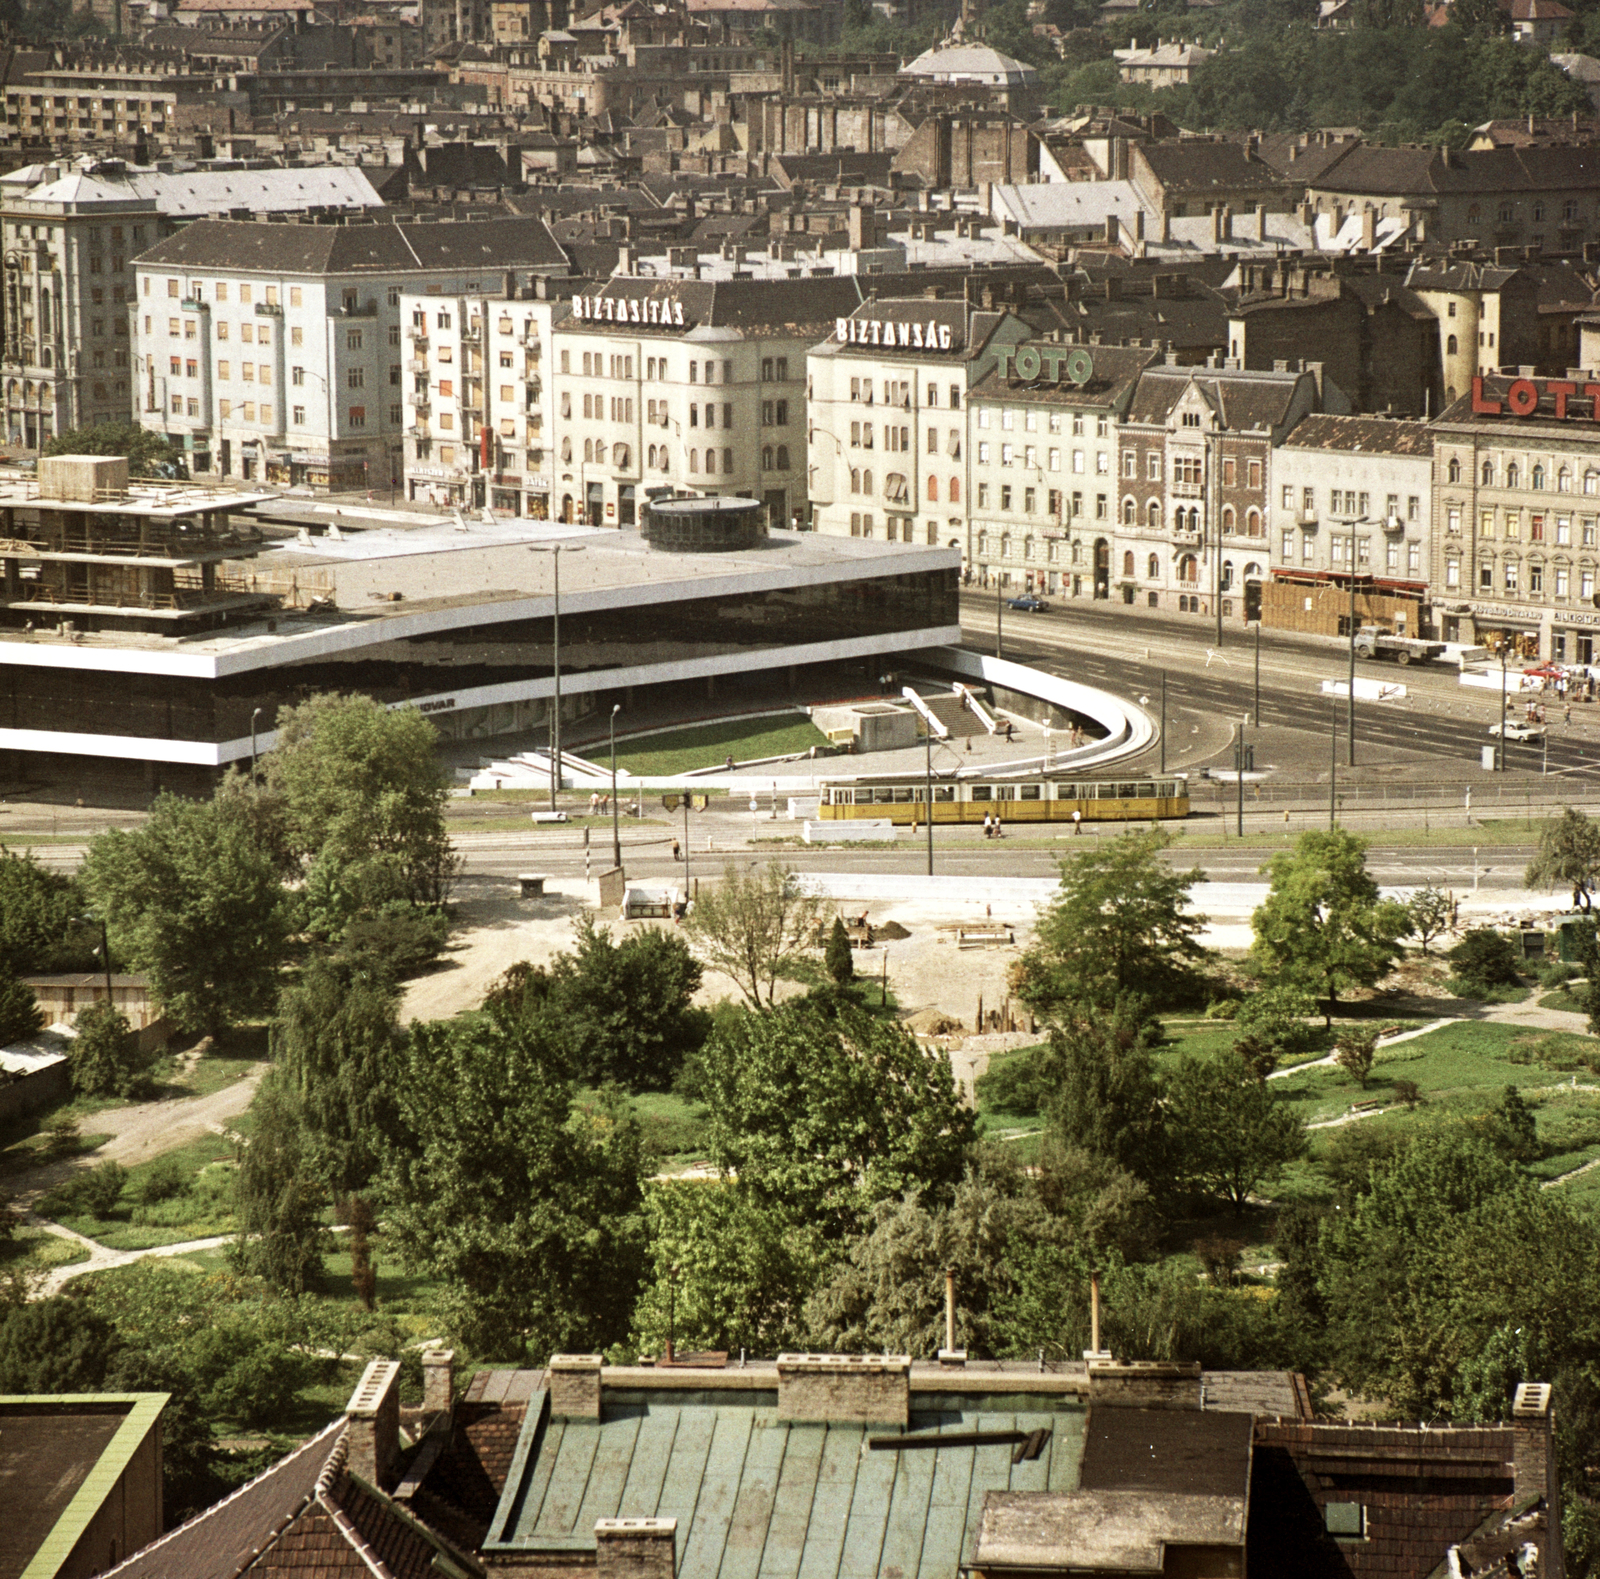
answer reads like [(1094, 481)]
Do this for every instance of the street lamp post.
[(1163, 720), (1500, 747), (1258, 674), (927, 747), (554, 550), (1352, 696), (255, 713), (616, 836), (105, 950)]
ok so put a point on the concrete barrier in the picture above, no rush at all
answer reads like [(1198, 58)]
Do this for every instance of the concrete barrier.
[(860, 830)]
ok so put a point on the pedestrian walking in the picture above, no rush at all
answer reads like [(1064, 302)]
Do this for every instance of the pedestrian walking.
[(1077, 823)]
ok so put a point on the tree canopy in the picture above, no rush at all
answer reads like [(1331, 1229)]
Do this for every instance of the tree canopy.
[(1120, 923), (193, 899), (527, 1207), (1568, 857), (823, 1113), (149, 454), (755, 927), (1324, 926)]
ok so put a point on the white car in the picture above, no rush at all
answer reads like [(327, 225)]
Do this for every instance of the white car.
[(1516, 731)]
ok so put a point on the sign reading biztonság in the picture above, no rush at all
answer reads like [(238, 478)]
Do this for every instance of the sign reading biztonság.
[(909, 336), (668, 314)]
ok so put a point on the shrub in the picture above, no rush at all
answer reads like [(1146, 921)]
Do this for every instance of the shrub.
[(1222, 1009), (1014, 1083), (164, 1179), (1219, 1259), (1557, 973), (19, 1012), (837, 959), (1354, 1052), (1484, 960), (104, 1056), (397, 941), (97, 1192), (1278, 1017), (1407, 1091)]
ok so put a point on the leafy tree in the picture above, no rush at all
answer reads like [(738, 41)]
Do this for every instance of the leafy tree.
[(1484, 960), (625, 1009), (1429, 911), (1120, 923), (1323, 924), (1511, 1129), (838, 959), (104, 1058), (755, 928), (1230, 1134), (20, 1017), (889, 1294), (54, 1346), (1568, 855), (149, 454), (194, 900), (825, 1114), (398, 941), (529, 1210), (36, 911), (360, 796), (725, 1272), (1354, 1052), (278, 1194), (1105, 1096), (1448, 1245), (336, 1044)]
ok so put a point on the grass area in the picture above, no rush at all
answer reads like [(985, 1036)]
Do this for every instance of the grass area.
[(35, 1250), (1562, 998), (709, 745), (198, 1176), (34, 1150), (674, 1128), (1484, 833)]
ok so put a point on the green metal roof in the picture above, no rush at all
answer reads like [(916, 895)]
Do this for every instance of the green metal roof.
[(757, 1497)]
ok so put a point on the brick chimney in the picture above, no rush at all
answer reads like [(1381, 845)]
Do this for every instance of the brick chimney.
[(438, 1382), (575, 1386), (869, 1389), (373, 1423), (1145, 1384), (1533, 1455), (635, 1548)]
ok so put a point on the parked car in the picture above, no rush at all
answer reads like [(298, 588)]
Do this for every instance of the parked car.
[(1518, 731), (1028, 604)]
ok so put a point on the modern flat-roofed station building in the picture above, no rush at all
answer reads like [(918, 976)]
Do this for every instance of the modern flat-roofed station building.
[(150, 634)]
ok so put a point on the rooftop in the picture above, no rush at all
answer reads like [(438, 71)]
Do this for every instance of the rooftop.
[(1372, 435)]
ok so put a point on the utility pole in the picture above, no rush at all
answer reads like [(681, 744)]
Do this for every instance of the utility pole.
[(1258, 675), (1500, 746), (1352, 697), (927, 747), (1239, 754), (1163, 720), (999, 614), (1333, 767)]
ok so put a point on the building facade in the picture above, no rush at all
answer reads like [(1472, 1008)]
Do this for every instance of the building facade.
[(1042, 436), (685, 387), (1352, 498), (1196, 456), (478, 400), (276, 352), (887, 419), (1516, 480)]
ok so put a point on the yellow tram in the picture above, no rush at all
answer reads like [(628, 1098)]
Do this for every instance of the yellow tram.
[(1044, 799)]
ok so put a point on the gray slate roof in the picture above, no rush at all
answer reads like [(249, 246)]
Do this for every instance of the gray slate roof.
[(380, 249)]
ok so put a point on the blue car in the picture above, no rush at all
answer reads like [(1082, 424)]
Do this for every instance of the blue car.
[(1028, 604)]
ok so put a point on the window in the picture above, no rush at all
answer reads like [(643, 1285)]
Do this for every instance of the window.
[(296, 337), (1450, 345), (1130, 464), (298, 416), (1536, 578), (1486, 578), (294, 296), (1511, 576), (1537, 478), (1453, 470), (1452, 519), (1345, 1519), (358, 416), (1452, 572), (1486, 474), (1561, 583)]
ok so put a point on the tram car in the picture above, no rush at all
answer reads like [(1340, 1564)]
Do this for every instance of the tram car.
[(1047, 798)]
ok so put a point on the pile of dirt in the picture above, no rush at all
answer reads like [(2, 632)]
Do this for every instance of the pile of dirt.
[(933, 1022), (890, 932)]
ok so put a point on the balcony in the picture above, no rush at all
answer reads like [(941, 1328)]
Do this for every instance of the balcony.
[(1394, 524), (352, 309), (423, 405), (273, 310), (419, 364), (1307, 520), (1187, 490), (418, 333), (422, 430), (472, 335)]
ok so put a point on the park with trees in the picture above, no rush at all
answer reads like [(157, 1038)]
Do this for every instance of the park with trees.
[(1268, 1159)]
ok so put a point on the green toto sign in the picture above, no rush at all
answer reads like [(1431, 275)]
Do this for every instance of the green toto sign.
[(1060, 364)]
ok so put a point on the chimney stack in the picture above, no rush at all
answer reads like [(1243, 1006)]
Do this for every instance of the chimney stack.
[(438, 1382), (373, 1424), (1533, 1459), (871, 1389), (575, 1386), (635, 1548)]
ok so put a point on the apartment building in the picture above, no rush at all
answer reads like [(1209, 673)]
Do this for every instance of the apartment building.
[(1196, 460), (276, 351), (686, 387), (71, 232), (1516, 483), (478, 400), (887, 430), (1352, 498), (89, 106), (1042, 437)]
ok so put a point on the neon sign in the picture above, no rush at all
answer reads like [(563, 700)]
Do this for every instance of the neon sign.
[(628, 309), (1070, 363), (1522, 398), (930, 336)]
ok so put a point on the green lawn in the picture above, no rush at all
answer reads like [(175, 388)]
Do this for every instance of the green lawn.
[(34, 1250), (709, 745), (203, 1209)]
